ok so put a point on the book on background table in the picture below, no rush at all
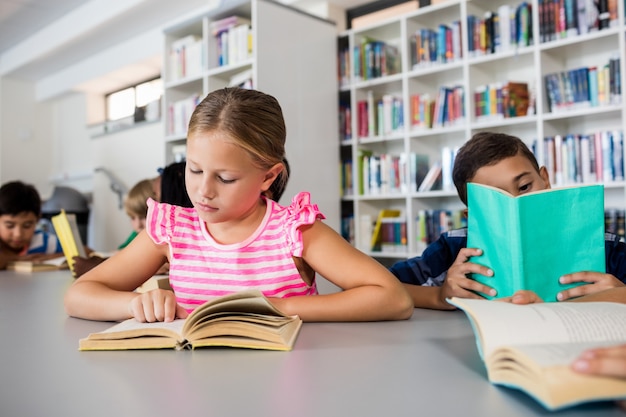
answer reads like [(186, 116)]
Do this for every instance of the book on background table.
[(531, 240), (66, 229), (38, 265), (531, 347), (243, 320)]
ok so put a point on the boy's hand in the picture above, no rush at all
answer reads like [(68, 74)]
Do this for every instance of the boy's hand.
[(596, 281), (83, 265), (457, 284), (156, 305)]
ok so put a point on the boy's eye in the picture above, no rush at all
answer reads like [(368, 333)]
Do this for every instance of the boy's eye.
[(525, 187)]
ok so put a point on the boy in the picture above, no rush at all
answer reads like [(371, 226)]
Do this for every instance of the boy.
[(20, 211), (505, 162)]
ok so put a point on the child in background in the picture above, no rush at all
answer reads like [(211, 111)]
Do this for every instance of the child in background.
[(136, 207), (20, 211), (236, 236), (170, 185), (505, 162)]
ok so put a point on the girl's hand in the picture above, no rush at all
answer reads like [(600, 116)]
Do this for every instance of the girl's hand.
[(596, 282), (156, 305), (457, 284)]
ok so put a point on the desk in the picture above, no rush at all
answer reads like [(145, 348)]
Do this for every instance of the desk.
[(427, 366)]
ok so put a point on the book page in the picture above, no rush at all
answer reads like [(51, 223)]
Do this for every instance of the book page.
[(134, 328), (502, 324), (558, 354)]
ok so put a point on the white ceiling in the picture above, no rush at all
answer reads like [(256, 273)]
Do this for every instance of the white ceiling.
[(25, 23)]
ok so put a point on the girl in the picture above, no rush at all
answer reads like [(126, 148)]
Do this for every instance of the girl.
[(236, 236)]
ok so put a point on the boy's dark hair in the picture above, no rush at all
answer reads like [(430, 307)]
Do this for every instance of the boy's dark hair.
[(484, 149), (173, 190), (17, 197)]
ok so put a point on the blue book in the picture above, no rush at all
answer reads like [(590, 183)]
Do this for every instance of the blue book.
[(531, 240), (593, 86)]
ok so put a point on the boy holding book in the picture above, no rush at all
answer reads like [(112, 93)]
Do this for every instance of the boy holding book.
[(441, 272)]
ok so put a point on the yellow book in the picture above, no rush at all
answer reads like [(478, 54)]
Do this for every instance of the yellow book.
[(66, 228), (377, 234), (244, 319)]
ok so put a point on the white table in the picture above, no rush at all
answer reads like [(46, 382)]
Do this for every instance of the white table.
[(427, 366)]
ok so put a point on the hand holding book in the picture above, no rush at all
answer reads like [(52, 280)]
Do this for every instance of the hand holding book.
[(532, 240)]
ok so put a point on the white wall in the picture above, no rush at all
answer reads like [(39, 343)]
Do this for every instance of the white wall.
[(132, 155), (26, 135)]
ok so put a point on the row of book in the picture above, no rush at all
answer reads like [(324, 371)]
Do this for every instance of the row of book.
[(388, 232), (440, 46), (499, 31), (179, 113), (502, 100), (373, 59), (186, 57), (384, 174), (584, 87), (379, 116), (560, 19), (585, 158), (447, 108), (385, 115), (233, 35)]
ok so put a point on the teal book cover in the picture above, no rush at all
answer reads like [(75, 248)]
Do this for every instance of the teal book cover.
[(531, 240)]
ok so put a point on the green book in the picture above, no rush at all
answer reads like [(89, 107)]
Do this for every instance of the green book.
[(531, 240)]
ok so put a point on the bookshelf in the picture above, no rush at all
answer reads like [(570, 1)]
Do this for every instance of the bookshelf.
[(465, 71), (279, 50)]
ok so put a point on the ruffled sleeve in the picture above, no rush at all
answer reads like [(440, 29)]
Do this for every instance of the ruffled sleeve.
[(299, 213), (159, 221)]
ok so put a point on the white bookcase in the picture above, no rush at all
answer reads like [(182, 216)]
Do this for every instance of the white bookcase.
[(292, 57), (526, 64)]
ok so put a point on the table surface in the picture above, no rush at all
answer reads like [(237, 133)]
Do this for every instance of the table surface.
[(426, 366)]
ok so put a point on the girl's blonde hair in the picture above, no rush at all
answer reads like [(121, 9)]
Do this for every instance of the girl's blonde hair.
[(254, 121), (135, 203)]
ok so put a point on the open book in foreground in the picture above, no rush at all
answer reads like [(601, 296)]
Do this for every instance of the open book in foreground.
[(530, 347), (245, 320), (531, 240)]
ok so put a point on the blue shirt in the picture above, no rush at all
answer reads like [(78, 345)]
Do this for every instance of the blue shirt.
[(43, 242), (431, 268)]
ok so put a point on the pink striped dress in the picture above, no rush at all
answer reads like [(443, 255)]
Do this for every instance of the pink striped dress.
[(201, 268)]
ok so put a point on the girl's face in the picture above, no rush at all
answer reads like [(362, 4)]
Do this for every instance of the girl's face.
[(222, 181)]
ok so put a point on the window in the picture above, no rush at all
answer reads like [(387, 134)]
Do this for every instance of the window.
[(138, 103)]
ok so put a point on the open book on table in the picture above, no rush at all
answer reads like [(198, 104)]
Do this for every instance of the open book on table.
[(245, 320), (531, 240), (530, 347), (38, 265)]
